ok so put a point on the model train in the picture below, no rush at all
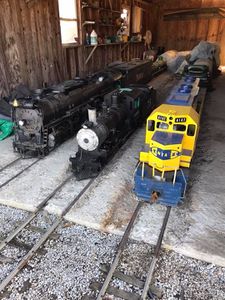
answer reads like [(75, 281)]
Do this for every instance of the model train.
[(107, 129), (50, 116), (171, 135)]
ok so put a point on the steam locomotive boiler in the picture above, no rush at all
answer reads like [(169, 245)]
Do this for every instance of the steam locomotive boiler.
[(50, 116), (108, 128)]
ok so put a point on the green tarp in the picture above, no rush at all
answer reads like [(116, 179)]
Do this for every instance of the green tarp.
[(6, 128)]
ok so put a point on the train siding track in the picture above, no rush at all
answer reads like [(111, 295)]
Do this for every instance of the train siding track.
[(10, 164), (19, 173), (10, 238), (109, 271), (148, 291), (34, 214), (45, 236), (156, 255)]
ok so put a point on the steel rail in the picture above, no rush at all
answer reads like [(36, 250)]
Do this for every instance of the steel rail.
[(43, 239), (38, 209), (19, 173), (156, 255), (121, 247), (10, 164)]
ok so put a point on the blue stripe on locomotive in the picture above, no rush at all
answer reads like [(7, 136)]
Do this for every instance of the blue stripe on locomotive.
[(181, 94)]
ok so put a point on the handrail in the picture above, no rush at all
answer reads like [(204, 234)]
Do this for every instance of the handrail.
[(185, 181)]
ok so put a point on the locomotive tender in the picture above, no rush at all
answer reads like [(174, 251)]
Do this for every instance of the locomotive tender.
[(171, 136), (50, 116), (122, 111)]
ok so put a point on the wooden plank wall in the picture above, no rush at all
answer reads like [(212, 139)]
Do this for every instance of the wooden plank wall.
[(31, 52), (30, 47), (109, 53), (185, 34)]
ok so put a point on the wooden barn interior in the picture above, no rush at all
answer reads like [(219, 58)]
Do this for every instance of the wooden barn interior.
[(32, 51), (112, 149)]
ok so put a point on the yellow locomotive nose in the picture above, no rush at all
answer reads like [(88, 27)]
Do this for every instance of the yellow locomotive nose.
[(164, 151)]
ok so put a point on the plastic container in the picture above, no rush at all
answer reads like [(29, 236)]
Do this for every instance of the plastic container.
[(94, 38)]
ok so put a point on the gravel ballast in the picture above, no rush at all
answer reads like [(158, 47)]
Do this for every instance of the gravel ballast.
[(72, 259)]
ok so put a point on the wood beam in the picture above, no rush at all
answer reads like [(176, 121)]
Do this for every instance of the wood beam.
[(197, 13)]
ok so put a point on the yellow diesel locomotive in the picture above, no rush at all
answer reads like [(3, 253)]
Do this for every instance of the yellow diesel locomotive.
[(170, 141)]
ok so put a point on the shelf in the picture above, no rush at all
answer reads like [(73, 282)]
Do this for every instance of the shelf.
[(106, 25), (97, 23), (109, 10), (89, 6), (108, 44), (105, 44), (103, 9)]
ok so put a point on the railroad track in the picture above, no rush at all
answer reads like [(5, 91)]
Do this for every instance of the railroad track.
[(148, 291), (10, 164), (46, 235), (18, 173)]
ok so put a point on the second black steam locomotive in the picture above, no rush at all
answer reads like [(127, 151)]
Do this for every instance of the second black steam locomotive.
[(121, 112)]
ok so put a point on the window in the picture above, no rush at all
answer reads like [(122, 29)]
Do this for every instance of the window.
[(68, 21), (179, 127), (191, 130), (162, 125), (151, 125)]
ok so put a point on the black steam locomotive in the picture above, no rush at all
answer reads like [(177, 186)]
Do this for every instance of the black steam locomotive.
[(49, 116), (108, 128)]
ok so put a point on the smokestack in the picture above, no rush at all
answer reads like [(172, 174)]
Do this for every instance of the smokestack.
[(92, 115)]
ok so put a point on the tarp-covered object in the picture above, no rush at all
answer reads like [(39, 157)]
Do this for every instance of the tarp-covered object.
[(6, 128), (174, 59), (177, 60)]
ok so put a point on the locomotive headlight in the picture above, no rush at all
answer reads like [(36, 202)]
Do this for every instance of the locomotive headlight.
[(100, 79), (15, 103), (87, 139), (21, 123)]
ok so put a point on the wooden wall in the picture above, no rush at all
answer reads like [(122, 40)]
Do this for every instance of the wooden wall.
[(31, 52), (30, 47), (185, 34)]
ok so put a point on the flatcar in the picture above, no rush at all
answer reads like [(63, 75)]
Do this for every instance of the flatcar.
[(171, 135), (121, 113), (49, 116)]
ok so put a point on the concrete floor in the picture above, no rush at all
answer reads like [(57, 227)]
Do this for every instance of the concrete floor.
[(196, 229)]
